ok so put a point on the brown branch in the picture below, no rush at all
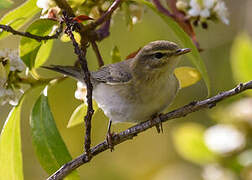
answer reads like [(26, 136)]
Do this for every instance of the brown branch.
[(32, 36), (173, 7), (103, 31), (141, 127), (97, 53), (161, 8), (81, 52)]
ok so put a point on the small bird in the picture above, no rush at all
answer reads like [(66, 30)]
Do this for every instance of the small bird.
[(136, 89)]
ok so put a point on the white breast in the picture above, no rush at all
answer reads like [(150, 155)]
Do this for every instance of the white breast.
[(122, 104)]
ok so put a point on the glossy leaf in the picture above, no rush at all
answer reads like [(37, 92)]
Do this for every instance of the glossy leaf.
[(43, 53), (115, 55), (29, 48), (19, 16), (78, 115), (189, 142), (49, 146), (186, 41), (5, 4), (187, 76), (241, 58), (10, 147)]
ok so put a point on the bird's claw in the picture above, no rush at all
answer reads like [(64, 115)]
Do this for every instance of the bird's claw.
[(109, 137), (109, 140), (159, 126)]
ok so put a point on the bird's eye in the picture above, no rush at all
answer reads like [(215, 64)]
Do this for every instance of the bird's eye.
[(159, 55)]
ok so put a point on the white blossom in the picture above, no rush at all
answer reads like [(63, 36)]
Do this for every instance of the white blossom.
[(195, 8), (222, 12), (9, 96), (207, 8), (224, 139), (45, 5), (51, 13), (9, 61), (81, 92), (181, 5), (13, 59), (205, 13), (209, 3)]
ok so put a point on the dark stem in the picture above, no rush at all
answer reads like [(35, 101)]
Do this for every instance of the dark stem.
[(81, 52), (141, 127), (32, 36), (172, 5), (97, 53), (103, 31)]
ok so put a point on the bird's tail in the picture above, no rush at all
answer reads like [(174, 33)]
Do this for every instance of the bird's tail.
[(72, 71)]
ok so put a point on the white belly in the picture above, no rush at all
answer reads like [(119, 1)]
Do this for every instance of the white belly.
[(136, 107)]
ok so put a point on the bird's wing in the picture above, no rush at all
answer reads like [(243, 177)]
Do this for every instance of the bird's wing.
[(113, 74)]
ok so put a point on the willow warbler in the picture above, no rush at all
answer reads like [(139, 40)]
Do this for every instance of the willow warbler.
[(135, 89)]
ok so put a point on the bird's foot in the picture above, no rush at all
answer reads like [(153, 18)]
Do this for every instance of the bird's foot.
[(109, 137), (159, 126), (109, 140)]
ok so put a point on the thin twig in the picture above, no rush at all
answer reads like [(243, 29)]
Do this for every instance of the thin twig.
[(172, 5), (103, 31), (81, 52), (97, 53), (32, 36), (141, 127)]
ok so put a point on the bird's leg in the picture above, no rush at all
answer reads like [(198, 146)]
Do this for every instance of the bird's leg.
[(109, 137), (159, 126)]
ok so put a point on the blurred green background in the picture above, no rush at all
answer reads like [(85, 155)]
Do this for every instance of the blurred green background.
[(149, 156)]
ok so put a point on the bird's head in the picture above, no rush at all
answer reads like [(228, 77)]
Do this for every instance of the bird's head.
[(158, 56)]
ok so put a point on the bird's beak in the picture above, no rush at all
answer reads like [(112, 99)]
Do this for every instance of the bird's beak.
[(182, 51)]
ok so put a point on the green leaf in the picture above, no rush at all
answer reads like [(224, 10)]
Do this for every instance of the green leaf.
[(29, 48), (43, 53), (49, 146), (78, 115), (115, 55), (189, 142), (10, 147), (241, 58), (19, 16), (5, 4), (194, 56)]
